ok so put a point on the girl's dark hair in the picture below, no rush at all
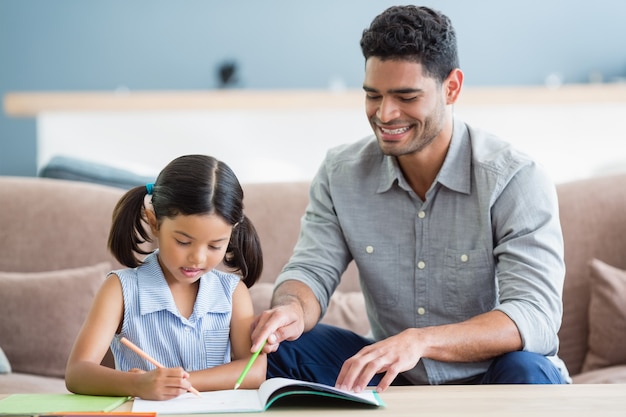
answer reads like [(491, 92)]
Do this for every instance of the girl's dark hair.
[(416, 34), (190, 184)]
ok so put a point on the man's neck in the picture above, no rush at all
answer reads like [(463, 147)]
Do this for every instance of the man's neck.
[(421, 168)]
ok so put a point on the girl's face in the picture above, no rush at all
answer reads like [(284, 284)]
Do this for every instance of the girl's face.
[(190, 246)]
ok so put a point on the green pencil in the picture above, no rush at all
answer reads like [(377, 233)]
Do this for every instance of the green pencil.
[(249, 365)]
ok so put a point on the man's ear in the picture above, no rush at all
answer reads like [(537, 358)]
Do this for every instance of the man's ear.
[(152, 221), (452, 85)]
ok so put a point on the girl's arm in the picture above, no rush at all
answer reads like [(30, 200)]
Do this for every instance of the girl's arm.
[(85, 375), (224, 377)]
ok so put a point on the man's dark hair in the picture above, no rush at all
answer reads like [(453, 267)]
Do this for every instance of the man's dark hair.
[(413, 33)]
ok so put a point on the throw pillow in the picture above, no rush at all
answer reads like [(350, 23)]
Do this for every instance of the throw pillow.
[(346, 309), (5, 366), (42, 313), (607, 317)]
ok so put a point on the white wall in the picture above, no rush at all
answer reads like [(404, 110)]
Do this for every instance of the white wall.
[(572, 141)]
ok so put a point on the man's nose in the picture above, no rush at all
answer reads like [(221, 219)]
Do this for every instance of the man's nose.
[(387, 110)]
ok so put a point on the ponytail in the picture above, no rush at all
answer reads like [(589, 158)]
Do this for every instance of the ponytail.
[(128, 229), (244, 252)]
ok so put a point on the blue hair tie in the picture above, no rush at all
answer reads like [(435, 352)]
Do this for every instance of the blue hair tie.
[(150, 187)]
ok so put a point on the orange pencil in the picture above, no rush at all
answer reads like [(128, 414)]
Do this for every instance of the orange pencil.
[(149, 358)]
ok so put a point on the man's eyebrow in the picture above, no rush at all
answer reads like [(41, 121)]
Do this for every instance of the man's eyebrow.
[(395, 91)]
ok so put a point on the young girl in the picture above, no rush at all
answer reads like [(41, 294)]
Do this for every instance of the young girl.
[(191, 318)]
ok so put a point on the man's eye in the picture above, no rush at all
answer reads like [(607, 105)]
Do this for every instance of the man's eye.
[(372, 97), (408, 99)]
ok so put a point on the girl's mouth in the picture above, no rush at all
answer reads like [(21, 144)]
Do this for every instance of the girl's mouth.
[(190, 272)]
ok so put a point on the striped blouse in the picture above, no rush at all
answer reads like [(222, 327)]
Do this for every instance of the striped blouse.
[(152, 320)]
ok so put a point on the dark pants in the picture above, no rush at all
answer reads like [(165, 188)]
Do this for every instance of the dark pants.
[(318, 355)]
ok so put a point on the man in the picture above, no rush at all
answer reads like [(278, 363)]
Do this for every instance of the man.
[(455, 234)]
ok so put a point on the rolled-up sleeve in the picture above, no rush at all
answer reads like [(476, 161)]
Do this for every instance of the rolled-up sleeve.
[(528, 247)]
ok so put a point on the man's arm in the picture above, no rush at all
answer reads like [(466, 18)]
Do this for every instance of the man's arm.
[(479, 338), (294, 310)]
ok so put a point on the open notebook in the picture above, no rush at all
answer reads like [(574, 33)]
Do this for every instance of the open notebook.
[(253, 400)]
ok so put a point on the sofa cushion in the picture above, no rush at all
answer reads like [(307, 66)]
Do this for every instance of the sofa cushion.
[(42, 314), (31, 384), (607, 317), (610, 375), (5, 366)]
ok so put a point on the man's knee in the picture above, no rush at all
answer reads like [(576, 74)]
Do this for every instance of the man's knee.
[(316, 356), (522, 368)]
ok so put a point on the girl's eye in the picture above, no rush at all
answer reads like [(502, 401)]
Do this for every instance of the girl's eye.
[(182, 243), (215, 247)]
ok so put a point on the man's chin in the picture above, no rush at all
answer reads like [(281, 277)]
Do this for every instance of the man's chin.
[(391, 147)]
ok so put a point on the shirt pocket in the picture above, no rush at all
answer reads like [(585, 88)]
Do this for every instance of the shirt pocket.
[(217, 346), (379, 266), (470, 282)]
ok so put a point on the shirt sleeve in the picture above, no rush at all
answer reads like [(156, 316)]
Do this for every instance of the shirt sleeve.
[(321, 255), (528, 247)]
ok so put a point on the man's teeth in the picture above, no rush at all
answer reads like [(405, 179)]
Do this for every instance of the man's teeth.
[(394, 131)]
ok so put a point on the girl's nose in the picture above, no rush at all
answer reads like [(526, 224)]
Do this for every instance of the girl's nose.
[(197, 257)]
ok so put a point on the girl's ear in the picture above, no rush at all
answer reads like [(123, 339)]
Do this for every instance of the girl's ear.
[(152, 221)]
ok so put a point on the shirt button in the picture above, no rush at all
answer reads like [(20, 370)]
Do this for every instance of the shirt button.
[(421, 214), (421, 311), (421, 265), (369, 249), (187, 329), (464, 258)]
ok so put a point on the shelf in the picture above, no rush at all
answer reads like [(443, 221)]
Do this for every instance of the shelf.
[(30, 104)]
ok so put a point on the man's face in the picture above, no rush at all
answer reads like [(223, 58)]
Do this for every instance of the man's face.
[(406, 109)]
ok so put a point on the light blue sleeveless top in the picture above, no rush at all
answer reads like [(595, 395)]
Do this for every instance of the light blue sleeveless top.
[(152, 321)]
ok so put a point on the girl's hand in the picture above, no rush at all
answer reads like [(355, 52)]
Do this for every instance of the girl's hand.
[(161, 383)]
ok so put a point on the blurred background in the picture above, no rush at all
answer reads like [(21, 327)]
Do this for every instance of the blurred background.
[(137, 45)]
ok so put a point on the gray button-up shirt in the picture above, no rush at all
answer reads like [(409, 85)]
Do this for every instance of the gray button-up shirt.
[(487, 236)]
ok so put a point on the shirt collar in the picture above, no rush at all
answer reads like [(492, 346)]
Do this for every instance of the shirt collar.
[(454, 173), (155, 294)]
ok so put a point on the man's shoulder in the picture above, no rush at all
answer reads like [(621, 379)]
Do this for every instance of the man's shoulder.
[(491, 152), (496, 162), (352, 165), (362, 151)]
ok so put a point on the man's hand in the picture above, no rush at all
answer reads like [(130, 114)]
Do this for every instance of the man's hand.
[(393, 355), (280, 323), (294, 311)]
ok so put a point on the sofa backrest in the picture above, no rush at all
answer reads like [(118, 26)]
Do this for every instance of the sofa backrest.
[(276, 210), (53, 259), (50, 224), (593, 218)]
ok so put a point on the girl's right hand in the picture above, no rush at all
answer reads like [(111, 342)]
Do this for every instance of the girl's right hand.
[(161, 383)]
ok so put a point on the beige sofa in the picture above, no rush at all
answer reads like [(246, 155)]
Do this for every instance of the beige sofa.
[(53, 258)]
